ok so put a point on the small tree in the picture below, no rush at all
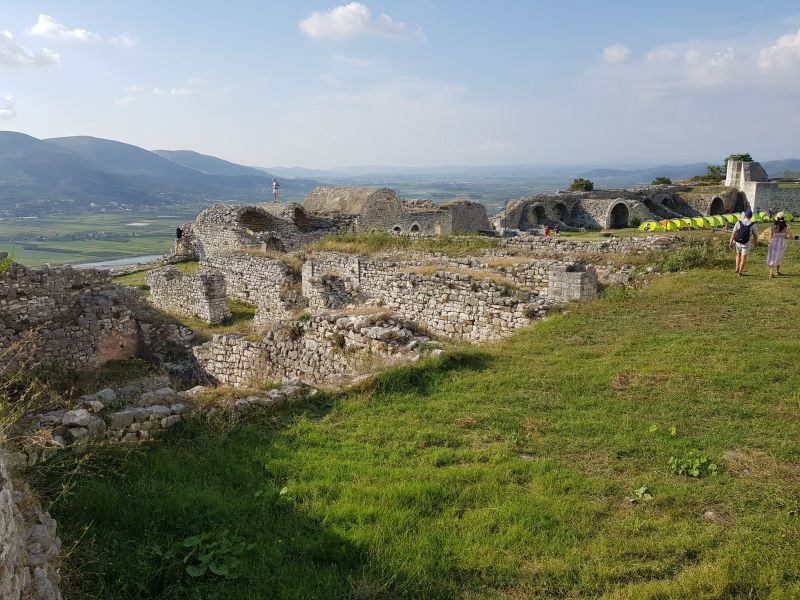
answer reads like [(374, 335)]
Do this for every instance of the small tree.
[(714, 173), (742, 157), (662, 181), (581, 185)]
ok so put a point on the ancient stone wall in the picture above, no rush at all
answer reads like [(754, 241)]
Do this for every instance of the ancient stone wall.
[(200, 295), (80, 318), (572, 282), (620, 245), (324, 348), (467, 217), (271, 285), (29, 546)]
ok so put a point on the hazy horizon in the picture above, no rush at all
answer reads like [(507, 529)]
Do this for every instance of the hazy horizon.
[(414, 85)]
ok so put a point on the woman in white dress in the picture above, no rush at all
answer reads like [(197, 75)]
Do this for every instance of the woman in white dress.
[(777, 236)]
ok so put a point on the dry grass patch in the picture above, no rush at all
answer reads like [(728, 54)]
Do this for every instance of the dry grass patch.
[(627, 379)]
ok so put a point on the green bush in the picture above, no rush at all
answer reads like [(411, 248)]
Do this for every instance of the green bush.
[(662, 181), (696, 254), (744, 157), (693, 464), (581, 185), (6, 262)]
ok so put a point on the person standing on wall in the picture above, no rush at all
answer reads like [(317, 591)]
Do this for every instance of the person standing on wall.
[(745, 236), (276, 190)]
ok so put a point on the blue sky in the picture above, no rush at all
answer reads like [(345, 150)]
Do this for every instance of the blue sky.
[(413, 83)]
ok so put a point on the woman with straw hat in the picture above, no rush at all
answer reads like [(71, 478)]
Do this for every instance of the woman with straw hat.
[(776, 242)]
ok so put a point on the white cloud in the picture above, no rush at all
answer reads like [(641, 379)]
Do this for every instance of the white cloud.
[(349, 20), (352, 61), (14, 54), (616, 53), (126, 40), (8, 108), (125, 101), (783, 54), (661, 54), (47, 26), (157, 91)]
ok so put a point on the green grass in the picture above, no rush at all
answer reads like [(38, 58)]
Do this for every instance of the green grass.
[(137, 278), (369, 243), (500, 471)]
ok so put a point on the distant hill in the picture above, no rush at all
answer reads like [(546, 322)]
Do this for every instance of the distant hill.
[(72, 173), (212, 165), (776, 168)]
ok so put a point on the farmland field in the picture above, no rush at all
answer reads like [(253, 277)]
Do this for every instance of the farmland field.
[(90, 237)]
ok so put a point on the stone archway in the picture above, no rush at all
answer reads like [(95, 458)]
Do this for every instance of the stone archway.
[(619, 216), (532, 216), (414, 228), (561, 212), (717, 207), (255, 220), (397, 229)]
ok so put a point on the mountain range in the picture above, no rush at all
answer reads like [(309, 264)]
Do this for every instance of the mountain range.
[(78, 172)]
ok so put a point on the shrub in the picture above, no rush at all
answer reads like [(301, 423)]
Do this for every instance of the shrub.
[(696, 254), (581, 185), (662, 181), (743, 157), (6, 262)]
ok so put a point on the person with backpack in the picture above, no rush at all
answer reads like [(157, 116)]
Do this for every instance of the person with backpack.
[(745, 236)]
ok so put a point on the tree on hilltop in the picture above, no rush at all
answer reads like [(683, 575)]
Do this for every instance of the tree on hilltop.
[(581, 185), (662, 181), (742, 157)]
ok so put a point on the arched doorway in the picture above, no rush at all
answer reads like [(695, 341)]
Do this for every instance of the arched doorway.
[(561, 212), (256, 220), (532, 216), (397, 229), (414, 228), (619, 216), (717, 207)]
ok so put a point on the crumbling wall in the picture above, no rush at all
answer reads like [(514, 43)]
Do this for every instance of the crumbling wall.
[(324, 348), (572, 282), (201, 295), (272, 285), (620, 245), (29, 545), (80, 318)]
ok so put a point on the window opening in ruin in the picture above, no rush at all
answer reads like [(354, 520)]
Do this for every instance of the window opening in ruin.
[(255, 220), (532, 216), (620, 216), (561, 212), (415, 228), (274, 244), (397, 229), (717, 207)]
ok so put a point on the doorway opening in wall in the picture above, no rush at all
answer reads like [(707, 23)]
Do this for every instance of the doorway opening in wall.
[(620, 216), (561, 212), (717, 207), (532, 216), (256, 221), (397, 229), (414, 228)]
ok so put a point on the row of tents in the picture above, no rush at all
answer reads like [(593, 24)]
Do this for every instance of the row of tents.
[(702, 222)]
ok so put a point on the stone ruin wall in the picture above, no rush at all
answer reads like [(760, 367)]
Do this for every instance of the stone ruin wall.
[(74, 317), (324, 348), (618, 245), (569, 283), (78, 318), (200, 295), (271, 285), (29, 544)]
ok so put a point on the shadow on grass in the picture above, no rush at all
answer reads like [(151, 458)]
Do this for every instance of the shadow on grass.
[(115, 504), (421, 378)]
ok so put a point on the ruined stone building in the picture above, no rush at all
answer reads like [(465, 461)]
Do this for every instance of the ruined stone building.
[(751, 180), (613, 209), (380, 209)]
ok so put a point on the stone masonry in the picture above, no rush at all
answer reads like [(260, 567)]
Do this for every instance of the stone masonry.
[(29, 545), (576, 282), (201, 295)]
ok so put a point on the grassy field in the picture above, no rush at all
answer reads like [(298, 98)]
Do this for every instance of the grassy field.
[(75, 239), (538, 467)]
